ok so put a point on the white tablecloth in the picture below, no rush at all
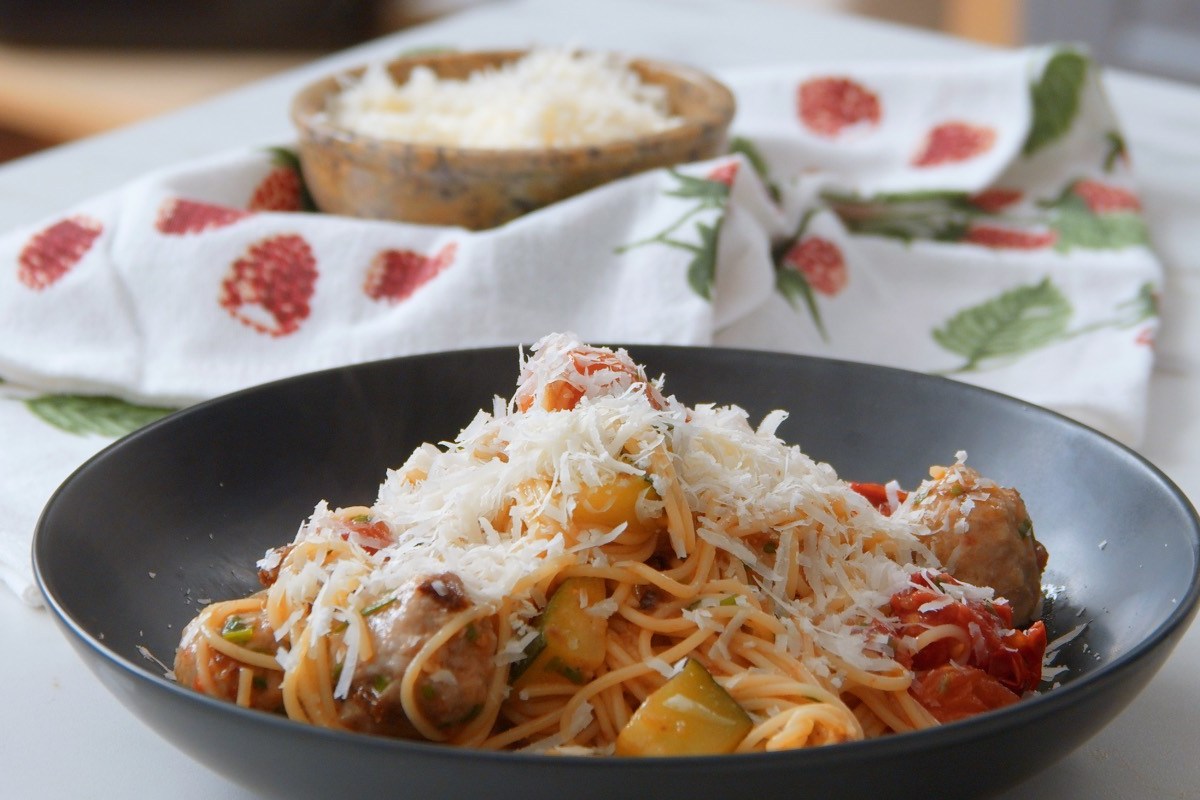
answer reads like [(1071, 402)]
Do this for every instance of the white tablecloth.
[(56, 714)]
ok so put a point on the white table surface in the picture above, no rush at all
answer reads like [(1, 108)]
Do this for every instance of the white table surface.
[(63, 735)]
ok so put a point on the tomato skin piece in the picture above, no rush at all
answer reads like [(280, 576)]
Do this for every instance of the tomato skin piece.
[(371, 536), (876, 494), (953, 691)]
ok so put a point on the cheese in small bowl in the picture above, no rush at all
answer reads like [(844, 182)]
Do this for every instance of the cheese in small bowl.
[(477, 139), (546, 98)]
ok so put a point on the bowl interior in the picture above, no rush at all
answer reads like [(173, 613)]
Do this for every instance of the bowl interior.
[(177, 514)]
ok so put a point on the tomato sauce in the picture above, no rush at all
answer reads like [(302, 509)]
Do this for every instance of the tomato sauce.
[(989, 666)]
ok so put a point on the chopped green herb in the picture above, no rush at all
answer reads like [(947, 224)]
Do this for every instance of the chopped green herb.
[(380, 683), (236, 630), (259, 682), (375, 607), (361, 518), (573, 674), (472, 633), (770, 547), (732, 600), (1024, 527), (956, 489), (428, 691)]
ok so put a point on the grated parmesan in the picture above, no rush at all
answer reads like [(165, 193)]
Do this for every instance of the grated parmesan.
[(548, 98)]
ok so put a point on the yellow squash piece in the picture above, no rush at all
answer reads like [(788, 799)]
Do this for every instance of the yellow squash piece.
[(605, 507), (571, 643), (690, 715)]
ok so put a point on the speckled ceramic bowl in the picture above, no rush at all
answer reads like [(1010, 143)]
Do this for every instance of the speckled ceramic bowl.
[(362, 176)]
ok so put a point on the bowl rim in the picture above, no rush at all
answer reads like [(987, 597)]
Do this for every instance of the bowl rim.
[(1029, 710), (308, 115)]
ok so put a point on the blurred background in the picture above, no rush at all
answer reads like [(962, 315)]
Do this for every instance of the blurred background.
[(74, 68)]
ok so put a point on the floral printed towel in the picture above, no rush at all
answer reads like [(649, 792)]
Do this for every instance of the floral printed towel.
[(979, 222)]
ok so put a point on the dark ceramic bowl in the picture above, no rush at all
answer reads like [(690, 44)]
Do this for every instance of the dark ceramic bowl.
[(362, 176), (197, 497)]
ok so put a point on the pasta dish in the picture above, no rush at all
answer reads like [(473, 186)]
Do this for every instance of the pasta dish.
[(592, 567)]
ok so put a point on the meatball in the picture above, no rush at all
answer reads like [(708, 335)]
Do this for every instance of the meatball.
[(982, 534), (224, 670), (454, 682)]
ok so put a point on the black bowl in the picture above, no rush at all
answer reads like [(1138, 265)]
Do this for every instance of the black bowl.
[(137, 538)]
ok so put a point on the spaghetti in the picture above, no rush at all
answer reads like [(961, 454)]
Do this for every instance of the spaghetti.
[(593, 563)]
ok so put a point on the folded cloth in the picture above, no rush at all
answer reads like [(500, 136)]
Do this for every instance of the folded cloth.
[(978, 222)]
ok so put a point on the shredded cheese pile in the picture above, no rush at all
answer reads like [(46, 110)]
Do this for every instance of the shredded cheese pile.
[(548, 98), (493, 507)]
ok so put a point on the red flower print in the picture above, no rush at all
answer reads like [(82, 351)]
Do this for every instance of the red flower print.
[(827, 106), (952, 142), (52, 252), (820, 262), (280, 190), (1145, 337), (178, 216), (726, 173), (396, 274), (270, 286), (995, 200), (1102, 198), (1009, 238)]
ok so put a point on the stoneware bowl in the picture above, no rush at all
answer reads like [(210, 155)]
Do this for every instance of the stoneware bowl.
[(363, 176), (182, 509)]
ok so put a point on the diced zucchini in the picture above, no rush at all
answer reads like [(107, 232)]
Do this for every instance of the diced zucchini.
[(605, 507), (571, 642), (689, 715), (237, 630)]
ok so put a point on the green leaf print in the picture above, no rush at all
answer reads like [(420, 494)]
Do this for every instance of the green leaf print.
[(711, 195), (935, 215), (1010, 325), (709, 192), (1078, 227), (1056, 99), (928, 198), (703, 268), (1029, 317), (796, 289), (101, 416), (747, 148), (1142, 307), (791, 282), (1117, 150)]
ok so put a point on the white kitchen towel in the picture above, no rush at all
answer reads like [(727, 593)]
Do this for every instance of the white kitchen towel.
[(979, 222)]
